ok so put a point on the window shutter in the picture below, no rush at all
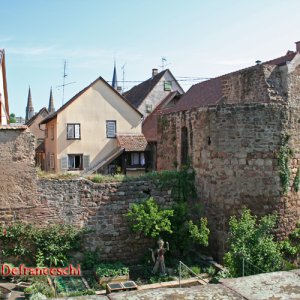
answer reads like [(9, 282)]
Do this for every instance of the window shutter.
[(64, 163), (111, 129), (70, 130), (77, 131), (86, 161)]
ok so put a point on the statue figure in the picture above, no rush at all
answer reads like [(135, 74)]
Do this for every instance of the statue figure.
[(159, 260)]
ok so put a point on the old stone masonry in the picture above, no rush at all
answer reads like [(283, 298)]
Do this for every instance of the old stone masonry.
[(232, 129)]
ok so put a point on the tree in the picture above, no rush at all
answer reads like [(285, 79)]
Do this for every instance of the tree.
[(148, 218), (12, 118), (251, 240)]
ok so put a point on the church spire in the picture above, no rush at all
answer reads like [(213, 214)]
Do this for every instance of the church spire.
[(51, 108), (29, 107), (114, 83)]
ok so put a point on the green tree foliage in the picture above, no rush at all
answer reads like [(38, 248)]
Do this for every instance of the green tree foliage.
[(44, 246), (148, 218), (252, 241), (291, 246), (12, 118)]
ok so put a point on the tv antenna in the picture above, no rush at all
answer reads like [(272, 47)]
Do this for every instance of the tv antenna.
[(65, 75), (123, 75), (163, 63)]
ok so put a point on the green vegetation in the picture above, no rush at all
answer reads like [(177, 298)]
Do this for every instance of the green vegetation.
[(42, 246), (183, 224), (111, 270), (297, 180), (252, 241), (291, 248), (12, 118), (285, 152), (148, 218)]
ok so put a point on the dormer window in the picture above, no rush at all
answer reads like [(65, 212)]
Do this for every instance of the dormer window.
[(148, 108), (168, 85)]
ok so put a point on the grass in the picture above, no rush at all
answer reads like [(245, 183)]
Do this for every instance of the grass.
[(47, 175)]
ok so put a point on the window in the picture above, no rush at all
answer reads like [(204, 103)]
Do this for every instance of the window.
[(111, 128), (184, 146), (148, 108), (137, 159), (73, 131), (52, 132), (75, 161), (168, 85)]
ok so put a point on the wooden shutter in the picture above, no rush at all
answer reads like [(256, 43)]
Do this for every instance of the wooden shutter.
[(111, 129), (64, 163), (70, 130), (86, 161), (77, 131)]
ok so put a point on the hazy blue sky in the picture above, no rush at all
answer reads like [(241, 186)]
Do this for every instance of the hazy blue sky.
[(198, 38)]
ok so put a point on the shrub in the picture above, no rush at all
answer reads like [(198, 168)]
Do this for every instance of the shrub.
[(252, 241), (148, 218), (111, 270)]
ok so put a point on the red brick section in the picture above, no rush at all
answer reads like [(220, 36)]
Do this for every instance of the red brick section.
[(149, 126), (131, 142)]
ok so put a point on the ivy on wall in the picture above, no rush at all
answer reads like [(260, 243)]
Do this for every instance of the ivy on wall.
[(284, 155)]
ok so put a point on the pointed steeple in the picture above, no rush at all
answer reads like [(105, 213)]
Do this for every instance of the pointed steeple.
[(51, 108), (114, 83), (29, 108)]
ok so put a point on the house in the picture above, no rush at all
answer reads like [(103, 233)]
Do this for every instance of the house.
[(240, 133), (148, 94), (33, 123), (97, 130), (4, 108), (150, 124)]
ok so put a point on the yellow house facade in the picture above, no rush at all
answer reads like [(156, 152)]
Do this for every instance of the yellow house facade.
[(82, 136)]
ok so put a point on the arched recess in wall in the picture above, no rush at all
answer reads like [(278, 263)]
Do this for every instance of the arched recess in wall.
[(184, 146)]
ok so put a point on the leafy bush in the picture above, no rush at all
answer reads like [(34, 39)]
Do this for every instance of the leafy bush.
[(38, 296), (45, 246), (252, 241), (90, 259), (148, 218), (291, 248), (111, 270)]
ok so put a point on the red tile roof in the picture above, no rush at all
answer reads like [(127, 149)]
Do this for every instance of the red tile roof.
[(210, 92), (132, 142)]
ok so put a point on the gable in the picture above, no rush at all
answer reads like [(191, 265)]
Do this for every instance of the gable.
[(97, 102)]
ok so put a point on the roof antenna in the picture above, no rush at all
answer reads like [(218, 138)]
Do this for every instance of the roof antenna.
[(123, 77), (163, 63), (65, 75)]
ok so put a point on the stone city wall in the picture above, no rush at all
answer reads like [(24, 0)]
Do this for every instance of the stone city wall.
[(233, 149)]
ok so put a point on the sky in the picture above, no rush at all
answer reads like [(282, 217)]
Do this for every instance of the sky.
[(199, 39)]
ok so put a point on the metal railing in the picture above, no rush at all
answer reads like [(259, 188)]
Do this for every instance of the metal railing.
[(250, 269), (181, 264)]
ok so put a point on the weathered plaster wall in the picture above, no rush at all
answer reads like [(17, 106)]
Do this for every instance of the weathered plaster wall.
[(18, 180)]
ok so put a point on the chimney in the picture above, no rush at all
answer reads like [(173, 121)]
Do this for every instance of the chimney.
[(119, 89), (154, 72), (297, 46)]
